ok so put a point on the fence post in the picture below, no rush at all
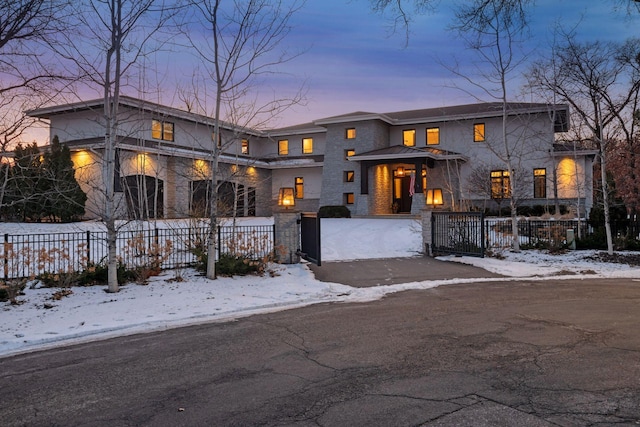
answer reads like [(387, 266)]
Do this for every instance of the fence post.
[(88, 247), (219, 248), (427, 231), (6, 255), (287, 236)]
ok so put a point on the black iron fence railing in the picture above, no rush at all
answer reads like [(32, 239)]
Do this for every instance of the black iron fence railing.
[(532, 233), (29, 255)]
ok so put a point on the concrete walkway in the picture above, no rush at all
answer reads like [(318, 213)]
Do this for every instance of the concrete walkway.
[(391, 271)]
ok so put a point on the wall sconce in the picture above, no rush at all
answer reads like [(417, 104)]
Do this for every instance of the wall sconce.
[(400, 171), (286, 197), (434, 197)]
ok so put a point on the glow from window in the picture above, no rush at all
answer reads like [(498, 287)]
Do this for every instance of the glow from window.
[(409, 137), (478, 132), (307, 145), (433, 136), (283, 147)]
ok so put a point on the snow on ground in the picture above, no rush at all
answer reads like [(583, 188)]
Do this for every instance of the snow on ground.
[(90, 313)]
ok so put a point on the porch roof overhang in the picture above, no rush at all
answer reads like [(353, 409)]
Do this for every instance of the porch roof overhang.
[(401, 152)]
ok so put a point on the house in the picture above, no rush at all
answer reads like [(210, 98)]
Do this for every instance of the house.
[(373, 163)]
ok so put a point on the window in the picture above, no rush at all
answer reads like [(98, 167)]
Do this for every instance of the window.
[(299, 189), (348, 198), (245, 146), (349, 176), (478, 132), (307, 145), (161, 130), (409, 137), (349, 152), (500, 188), (433, 136), (283, 147), (540, 183), (350, 133)]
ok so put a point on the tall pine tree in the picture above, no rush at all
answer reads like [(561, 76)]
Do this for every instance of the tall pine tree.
[(64, 199)]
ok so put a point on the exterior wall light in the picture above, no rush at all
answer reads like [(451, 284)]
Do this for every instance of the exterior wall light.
[(434, 197), (400, 171), (286, 197)]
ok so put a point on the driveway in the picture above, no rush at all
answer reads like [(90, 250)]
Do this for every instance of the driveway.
[(525, 353), (391, 271)]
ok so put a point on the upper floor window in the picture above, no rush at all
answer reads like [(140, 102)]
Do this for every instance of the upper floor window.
[(540, 183), (478, 132), (307, 145), (409, 137), (299, 188), (245, 146), (161, 130), (349, 176), (283, 147), (433, 136), (350, 133), (349, 152), (348, 198), (500, 185)]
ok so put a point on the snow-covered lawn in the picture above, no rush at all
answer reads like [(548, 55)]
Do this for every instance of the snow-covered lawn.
[(90, 313)]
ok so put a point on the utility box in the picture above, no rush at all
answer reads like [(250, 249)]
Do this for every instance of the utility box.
[(571, 239)]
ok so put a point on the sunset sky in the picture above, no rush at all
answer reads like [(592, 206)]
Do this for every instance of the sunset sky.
[(354, 62)]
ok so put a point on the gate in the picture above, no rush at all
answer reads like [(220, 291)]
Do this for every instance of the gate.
[(310, 237), (457, 233)]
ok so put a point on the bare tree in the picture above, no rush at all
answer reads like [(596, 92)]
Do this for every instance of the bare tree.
[(117, 34), (240, 49), (600, 81), (493, 29), (28, 76)]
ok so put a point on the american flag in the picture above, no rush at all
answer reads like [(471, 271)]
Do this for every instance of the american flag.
[(412, 184)]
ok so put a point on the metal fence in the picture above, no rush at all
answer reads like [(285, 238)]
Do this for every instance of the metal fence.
[(460, 233), (533, 233), (33, 254)]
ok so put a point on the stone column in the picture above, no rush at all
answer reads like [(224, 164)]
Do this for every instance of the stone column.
[(287, 236), (426, 231)]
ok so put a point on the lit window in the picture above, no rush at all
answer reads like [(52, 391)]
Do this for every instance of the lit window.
[(299, 187), (433, 136), (409, 137), (478, 132), (161, 130), (245, 146), (540, 183), (349, 176), (351, 133), (349, 152), (307, 145), (283, 147), (348, 198), (500, 185)]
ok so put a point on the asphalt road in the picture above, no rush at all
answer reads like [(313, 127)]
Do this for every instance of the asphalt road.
[(488, 354)]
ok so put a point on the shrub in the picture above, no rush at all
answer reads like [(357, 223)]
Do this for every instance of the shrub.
[(334, 212), (230, 265), (93, 274), (10, 289)]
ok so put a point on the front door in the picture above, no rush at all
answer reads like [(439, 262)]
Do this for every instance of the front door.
[(401, 197)]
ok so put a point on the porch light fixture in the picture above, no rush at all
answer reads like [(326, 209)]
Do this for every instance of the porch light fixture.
[(434, 197), (286, 197), (400, 171)]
